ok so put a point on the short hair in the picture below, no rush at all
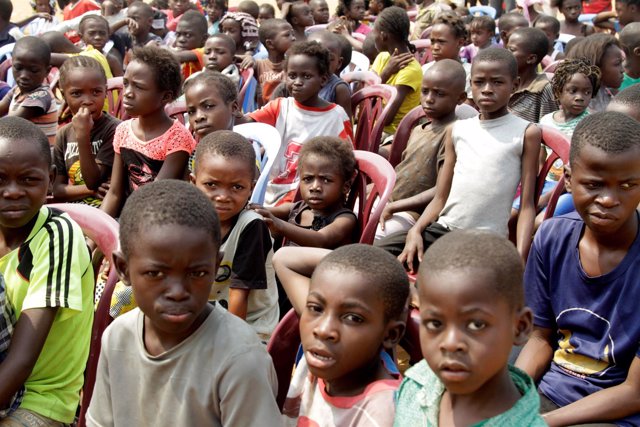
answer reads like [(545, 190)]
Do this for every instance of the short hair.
[(549, 20), (510, 20), (567, 68), (231, 44), (630, 35), (268, 7), (630, 2), (473, 250), (536, 41), (611, 132), (228, 144), (343, 7), (326, 38), (395, 22), (250, 7), (337, 150), (453, 21), (380, 269), (83, 62), (571, 44), (593, 48), (92, 17), (6, 9), (34, 45), (165, 66), (629, 97), (144, 7), (496, 54), (483, 22), (226, 88), (347, 51), (454, 70), (313, 50), (196, 21), (269, 28), (14, 128)]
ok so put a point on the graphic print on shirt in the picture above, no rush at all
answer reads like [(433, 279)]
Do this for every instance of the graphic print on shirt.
[(290, 169)]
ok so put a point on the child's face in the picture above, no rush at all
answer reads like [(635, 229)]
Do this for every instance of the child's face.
[(232, 28), (42, 6), (301, 15), (303, 78), (29, 70), (491, 87), (178, 7), (207, 111), (467, 329), (282, 40), (356, 10), (95, 32), (188, 37), (518, 46), (576, 95), (143, 22), (320, 11), (438, 96), (612, 67), (217, 55), (444, 44), (214, 13), (265, 14), (481, 37), (322, 186), (605, 188), (85, 87), (626, 12), (25, 180), (548, 31), (227, 182), (571, 9), (141, 95), (171, 269), (342, 329)]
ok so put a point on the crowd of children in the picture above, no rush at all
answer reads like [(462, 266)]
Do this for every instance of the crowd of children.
[(88, 106)]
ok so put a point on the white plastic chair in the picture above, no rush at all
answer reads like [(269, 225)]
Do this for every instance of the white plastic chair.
[(314, 28), (268, 138), (359, 62)]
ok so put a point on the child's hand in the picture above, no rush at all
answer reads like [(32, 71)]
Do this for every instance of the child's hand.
[(246, 61), (132, 24), (397, 62), (82, 121), (386, 215), (102, 191), (413, 247), (268, 218), (44, 15)]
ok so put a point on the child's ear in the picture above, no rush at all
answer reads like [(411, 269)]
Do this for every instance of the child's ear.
[(532, 58), (523, 326), (325, 78), (167, 97), (516, 82), (636, 51), (235, 107), (463, 98), (53, 172), (567, 178), (268, 43), (122, 267), (394, 333), (192, 178)]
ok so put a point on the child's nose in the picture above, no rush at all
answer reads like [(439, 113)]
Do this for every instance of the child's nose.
[(325, 329), (452, 341)]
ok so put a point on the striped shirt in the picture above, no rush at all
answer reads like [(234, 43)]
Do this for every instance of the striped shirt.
[(41, 98), (535, 101)]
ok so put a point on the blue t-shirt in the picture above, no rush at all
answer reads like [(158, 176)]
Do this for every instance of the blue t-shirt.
[(596, 318)]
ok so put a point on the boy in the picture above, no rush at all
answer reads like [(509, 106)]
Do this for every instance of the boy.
[(320, 11), (177, 360), (506, 155), (7, 324), (534, 97), (32, 99), (6, 27), (345, 325), (581, 282), (550, 26), (299, 15), (49, 279), (276, 35), (266, 12), (627, 102), (628, 11), (482, 32), (471, 313), (443, 88), (250, 7), (508, 23), (94, 31), (630, 39), (191, 34), (139, 20), (218, 55)]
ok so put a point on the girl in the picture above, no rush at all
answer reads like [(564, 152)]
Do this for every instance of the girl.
[(571, 9), (150, 146), (327, 168), (43, 18), (605, 52), (243, 29), (83, 152), (353, 11), (396, 65), (215, 9), (299, 16)]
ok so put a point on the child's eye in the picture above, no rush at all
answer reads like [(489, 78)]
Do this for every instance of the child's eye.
[(628, 185), (314, 308), (353, 318), (476, 325), (153, 274), (432, 325), (199, 274), (307, 179), (238, 187), (209, 106)]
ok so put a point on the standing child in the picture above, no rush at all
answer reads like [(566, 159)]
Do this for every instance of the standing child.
[(571, 10), (191, 34), (320, 11), (94, 31), (353, 312), (277, 37), (482, 32), (471, 314), (630, 39), (83, 152), (219, 54), (301, 117), (212, 103), (215, 10), (178, 360), (175, 12), (47, 271), (508, 23), (243, 29), (550, 26), (327, 167), (150, 146), (43, 19), (299, 15)]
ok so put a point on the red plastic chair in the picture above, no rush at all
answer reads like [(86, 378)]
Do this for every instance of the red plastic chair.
[(370, 106), (103, 230), (551, 68), (367, 78), (114, 98), (283, 347), (359, 36), (560, 146), (423, 50), (403, 132), (176, 110)]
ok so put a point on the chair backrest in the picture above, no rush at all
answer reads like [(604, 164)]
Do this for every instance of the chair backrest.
[(427, 32), (177, 110), (560, 145), (368, 78), (358, 36), (423, 50), (359, 62), (316, 28), (283, 347), (269, 138), (551, 68), (483, 10), (114, 98), (401, 138), (247, 94), (371, 108)]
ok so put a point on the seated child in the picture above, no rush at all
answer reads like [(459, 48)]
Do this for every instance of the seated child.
[(83, 153), (327, 167), (151, 145), (139, 21), (627, 102), (550, 26), (49, 279), (630, 39), (277, 37), (43, 19), (250, 7), (508, 23), (267, 11), (215, 10), (178, 360), (581, 282), (471, 313), (31, 98), (571, 10), (191, 35), (506, 155), (212, 103), (533, 97), (354, 310), (442, 90), (483, 32), (301, 117), (627, 11), (353, 12), (219, 53), (243, 29), (94, 31), (175, 11), (7, 324), (299, 15), (75, 9), (320, 11)]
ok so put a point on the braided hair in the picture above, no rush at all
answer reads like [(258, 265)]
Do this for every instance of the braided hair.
[(567, 68), (395, 22)]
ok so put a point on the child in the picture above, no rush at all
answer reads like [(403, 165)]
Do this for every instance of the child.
[(326, 167), (266, 12), (191, 34), (47, 271), (218, 55), (212, 103), (7, 29), (581, 281), (396, 65), (299, 15), (508, 23), (150, 146), (83, 152), (483, 31), (571, 10), (630, 39), (277, 37), (428, 11), (177, 350), (215, 10), (627, 11), (354, 310), (94, 31), (43, 18), (175, 11), (250, 7), (574, 83), (300, 117), (320, 11), (353, 11), (32, 99), (627, 102), (471, 313), (507, 154), (75, 9), (225, 171), (139, 21), (7, 324), (442, 90), (550, 26), (533, 98), (243, 29), (605, 52)]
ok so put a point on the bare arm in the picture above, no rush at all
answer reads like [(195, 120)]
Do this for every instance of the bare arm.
[(174, 166), (415, 203), (115, 63), (537, 353), (238, 301), (114, 199), (185, 55), (528, 178), (343, 98), (65, 192), (92, 173), (394, 106), (5, 103)]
